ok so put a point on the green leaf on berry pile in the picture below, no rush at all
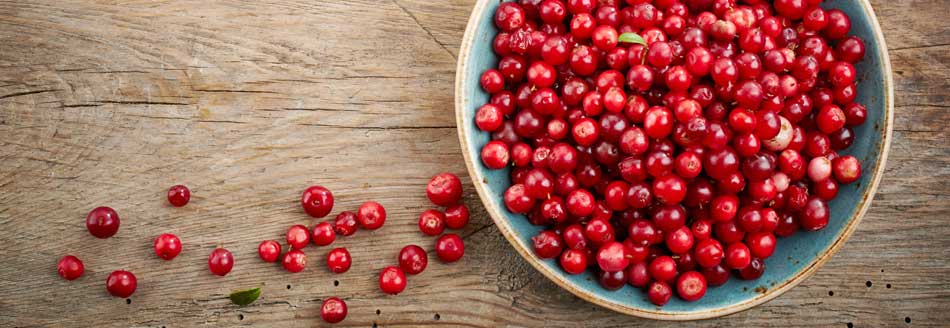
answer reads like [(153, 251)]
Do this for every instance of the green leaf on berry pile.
[(245, 297), (631, 37)]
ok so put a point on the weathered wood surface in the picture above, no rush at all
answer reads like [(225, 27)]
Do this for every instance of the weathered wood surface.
[(109, 103)]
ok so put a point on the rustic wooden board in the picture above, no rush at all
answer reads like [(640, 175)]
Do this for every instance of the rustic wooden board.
[(109, 103)]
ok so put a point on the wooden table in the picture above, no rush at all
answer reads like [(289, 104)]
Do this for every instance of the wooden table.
[(110, 103)]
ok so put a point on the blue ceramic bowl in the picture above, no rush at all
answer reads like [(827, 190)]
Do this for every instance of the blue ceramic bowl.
[(795, 259)]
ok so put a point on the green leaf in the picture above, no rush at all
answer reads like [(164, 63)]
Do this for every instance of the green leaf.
[(631, 37), (245, 297)]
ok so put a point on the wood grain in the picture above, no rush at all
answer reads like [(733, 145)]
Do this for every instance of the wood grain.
[(109, 103)]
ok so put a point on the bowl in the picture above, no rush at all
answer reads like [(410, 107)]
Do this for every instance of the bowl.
[(796, 257)]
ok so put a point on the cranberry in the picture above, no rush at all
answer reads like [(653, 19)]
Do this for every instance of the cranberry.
[(547, 244), (851, 49), (669, 189), (492, 81), (449, 248), (179, 195), (220, 261), (716, 275), (70, 267), (838, 25), (691, 286), (413, 259), (345, 223), (102, 222), (638, 275), (599, 231), (456, 216), (573, 261), (814, 215), (709, 253), (444, 189), (612, 280), (509, 16), (489, 118), (680, 241), (847, 169), (298, 236), (663, 269), (167, 246), (517, 201), (659, 293), (121, 283), (669, 217), (338, 260), (371, 215), (269, 250), (323, 234), (333, 310), (753, 271), (611, 257), (317, 201), (432, 222), (392, 280), (737, 256), (495, 155)]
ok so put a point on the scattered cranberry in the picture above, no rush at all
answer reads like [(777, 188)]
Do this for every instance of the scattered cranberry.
[(70, 267), (449, 248), (371, 215), (102, 222), (179, 195), (345, 223), (338, 260), (121, 283), (317, 201), (432, 222), (444, 189), (456, 216), (294, 261), (220, 261), (547, 244), (167, 246), (323, 234), (269, 250), (392, 280), (298, 236), (333, 310), (573, 261), (413, 259)]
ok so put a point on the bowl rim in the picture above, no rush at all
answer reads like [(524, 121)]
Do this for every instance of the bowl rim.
[(507, 231)]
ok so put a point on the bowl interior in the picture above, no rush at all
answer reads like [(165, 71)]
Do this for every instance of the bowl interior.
[(794, 257)]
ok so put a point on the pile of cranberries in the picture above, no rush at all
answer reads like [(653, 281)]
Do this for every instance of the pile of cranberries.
[(674, 157), (444, 189)]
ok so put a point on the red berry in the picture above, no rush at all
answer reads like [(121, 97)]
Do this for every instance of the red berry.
[(102, 222), (323, 234), (294, 261), (392, 280), (444, 189), (432, 222), (573, 261), (298, 236), (663, 269), (167, 246), (612, 257), (659, 293), (220, 261), (345, 223), (737, 256), (333, 310), (338, 260), (317, 201), (371, 215), (70, 267), (709, 253), (547, 244), (495, 155), (456, 216), (179, 195), (846, 169), (509, 16), (691, 286), (413, 259), (121, 283), (449, 248), (269, 250), (492, 81)]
